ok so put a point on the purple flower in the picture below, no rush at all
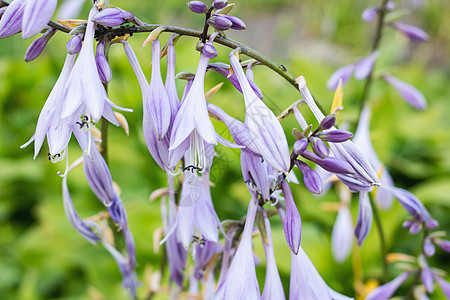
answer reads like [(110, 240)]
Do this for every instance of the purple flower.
[(330, 164), (192, 126), (224, 70), (369, 14), (319, 147), (412, 32), (408, 92), (157, 101), (264, 126), (49, 123), (273, 288), (84, 90), (386, 290), (197, 7), (364, 67), (209, 51), (103, 68), (343, 74), (335, 136), (73, 46), (36, 16), (170, 86), (203, 254), (237, 24), (11, 20), (300, 146), (38, 45), (428, 247), (306, 282), (342, 235), (312, 180), (292, 222), (219, 22), (443, 244), (364, 176), (362, 141), (86, 228), (219, 4), (364, 221), (195, 211), (112, 17), (240, 281)]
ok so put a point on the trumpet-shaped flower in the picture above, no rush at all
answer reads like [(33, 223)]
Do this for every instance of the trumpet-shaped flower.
[(36, 16), (192, 126), (264, 126), (240, 281), (84, 90)]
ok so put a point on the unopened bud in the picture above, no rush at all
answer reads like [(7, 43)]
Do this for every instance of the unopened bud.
[(209, 51), (312, 180), (218, 4), (73, 46), (111, 17), (335, 136), (327, 122), (104, 70), (237, 24), (300, 146), (297, 134), (198, 7), (38, 45), (220, 23), (319, 147)]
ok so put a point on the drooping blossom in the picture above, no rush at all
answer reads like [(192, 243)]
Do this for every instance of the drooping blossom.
[(11, 20), (73, 46), (306, 282), (342, 234), (408, 92), (386, 290), (171, 89), (240, 281), (256, 175), (365, 216), (364, 67), (412, 32), (370, 13), (344, 74), (36, 15), (273, 288), (103, 68), (443, 284), (292, 222), (264, 126), (192, 126), (37, 46)]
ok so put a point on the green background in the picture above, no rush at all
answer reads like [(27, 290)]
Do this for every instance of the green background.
[(42, 257)]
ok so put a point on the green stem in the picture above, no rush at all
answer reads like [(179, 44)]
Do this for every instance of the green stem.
[(104, 122), (375, 45), (383, 248)]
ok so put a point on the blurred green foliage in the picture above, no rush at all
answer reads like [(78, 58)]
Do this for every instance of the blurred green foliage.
[(42, 257)]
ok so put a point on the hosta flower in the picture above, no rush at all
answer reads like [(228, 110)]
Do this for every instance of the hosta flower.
[(84, 90), (344, 74), (264, 126), (256, 174), (38, 45), (386, 290), (36, 16), (306, 282), (240, 281), (171, 89), (273, 288), (50, 123), (365, 216), (364, 67), (408, 92), (112, 16), (292, 222), (103, 68), (412, 32), (192, 126), (157, 101), (342, 235)]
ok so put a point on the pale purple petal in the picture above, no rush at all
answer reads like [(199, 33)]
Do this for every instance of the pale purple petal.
[(312, 180), (292, 222), (342, 235), (443, 284), (365, 216), (412, 32), (37, 46), (369, 14), (343, 73), (364, 67), (36, 16), (11, 20), (386, 290), (408, 92)]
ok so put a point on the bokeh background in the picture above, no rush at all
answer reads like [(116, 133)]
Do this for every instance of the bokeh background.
[(42, 257)]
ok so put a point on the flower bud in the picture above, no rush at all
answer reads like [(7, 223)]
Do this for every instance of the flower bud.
[(38, 45), (111, 17), (11, 21), (408, 92), (237, 24), (412, 32), (319, 147), (428, 247), (443, 244), (330, 164), (209, 51), (369, 14), (221, 23), (219, 4), (312, 180), (104, 70), (292, 222), (198, 7), (335, 136), (300, 146), (73, 46), (390, 6), (297, 134), (327, 122), (364, 67)]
